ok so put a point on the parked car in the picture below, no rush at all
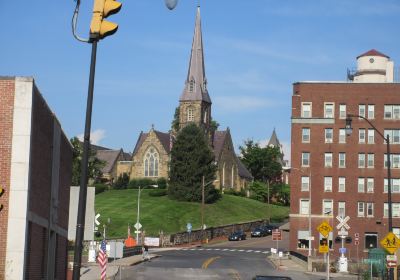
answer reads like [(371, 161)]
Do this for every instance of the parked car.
[(270, 228), (237, 235), (258, 232)]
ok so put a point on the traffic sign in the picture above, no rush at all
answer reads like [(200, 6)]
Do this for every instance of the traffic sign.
[(96, 219), (276, 235), (356, 242), (390, 242), (343, 222), (323, 246), (391, 261), (324, 228), (343, 233), (342, 250), (138, 226)]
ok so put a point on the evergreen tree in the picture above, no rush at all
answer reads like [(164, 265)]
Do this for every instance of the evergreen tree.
[(191, 159)]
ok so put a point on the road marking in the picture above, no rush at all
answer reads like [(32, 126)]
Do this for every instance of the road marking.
[(235, 274), (232, 250), (265, 252), (217, 249), (209, 261), (240, 250), (225, 249), (209, 249), (249, 251), (257, 251)]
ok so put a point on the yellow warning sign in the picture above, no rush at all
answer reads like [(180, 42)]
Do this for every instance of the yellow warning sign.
[(323, 246), (390, 242), (324, 229)]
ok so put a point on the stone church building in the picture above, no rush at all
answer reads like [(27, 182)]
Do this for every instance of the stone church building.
[(151, 154)]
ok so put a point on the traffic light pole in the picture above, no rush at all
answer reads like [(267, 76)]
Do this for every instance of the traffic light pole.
[(80, 226)]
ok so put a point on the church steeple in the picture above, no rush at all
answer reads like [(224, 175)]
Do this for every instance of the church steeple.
[(196, 82), (195, 103)]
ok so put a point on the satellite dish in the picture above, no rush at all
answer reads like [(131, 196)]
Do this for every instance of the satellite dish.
[(171, 4)]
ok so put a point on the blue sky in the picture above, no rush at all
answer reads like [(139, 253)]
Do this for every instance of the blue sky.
[(254, 51)]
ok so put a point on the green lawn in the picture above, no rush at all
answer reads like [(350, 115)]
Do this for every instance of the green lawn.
[(161, 213)]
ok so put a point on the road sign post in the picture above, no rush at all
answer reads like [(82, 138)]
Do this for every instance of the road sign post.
[(325, 228)]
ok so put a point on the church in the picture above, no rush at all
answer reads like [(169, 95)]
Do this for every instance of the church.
[(151, 155)]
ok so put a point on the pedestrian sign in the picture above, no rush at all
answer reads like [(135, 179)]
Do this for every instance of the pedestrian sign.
[(324, 228), (323, 246), (390, 242)]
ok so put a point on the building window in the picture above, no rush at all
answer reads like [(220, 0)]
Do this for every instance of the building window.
[(329, 110), (361, 185), (361, 135), (302, 239), (342, 135), (370, 160), (370, 185), (371, 111), (395, 210), (304, 207), (360, 209), (342, 209), (328, 184), (342, 160), (361, 160), (394, 161), (327, 207), (151, 161), (190, 114), (306, 109), (328, 159), (342, 111), (394, 135), (370, 209), (361, 110), (371, 136), (305, 184), (396, 231), (328, 135), (371, 240), (205, 116), (394, 186), (305, 135), (392, 111), (305, 159), (342, 184)]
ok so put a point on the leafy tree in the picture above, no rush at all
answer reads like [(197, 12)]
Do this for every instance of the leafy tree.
[(261, 162), (282, 193), (258, 191), (95, 165), (175, 121), (191, 159), (121, 182)]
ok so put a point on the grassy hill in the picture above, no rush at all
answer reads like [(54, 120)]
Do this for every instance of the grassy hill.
[(161, 213)]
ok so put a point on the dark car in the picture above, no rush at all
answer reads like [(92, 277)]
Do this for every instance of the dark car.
[(237, 235), (270, 228), (261, 277), (258, 232)]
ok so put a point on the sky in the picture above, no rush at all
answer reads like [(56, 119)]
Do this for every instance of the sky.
[(254, 51)]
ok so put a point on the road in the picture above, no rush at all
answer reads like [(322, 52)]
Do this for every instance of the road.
[(225, 260)]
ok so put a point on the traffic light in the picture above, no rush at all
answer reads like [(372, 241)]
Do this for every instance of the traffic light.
[(100, 28)]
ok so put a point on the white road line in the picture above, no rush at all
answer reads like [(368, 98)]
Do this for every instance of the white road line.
[(241, 250), (217, 249), (233, 250), (249, 251), (265, 252), (225, 250), (257, 251)]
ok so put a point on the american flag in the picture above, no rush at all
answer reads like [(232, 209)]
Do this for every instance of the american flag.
[(102, 259)]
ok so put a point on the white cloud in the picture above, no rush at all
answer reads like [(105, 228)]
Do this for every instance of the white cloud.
[(95, 136)]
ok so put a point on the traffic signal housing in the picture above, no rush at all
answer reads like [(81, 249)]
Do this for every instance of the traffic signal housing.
[(100, 28)]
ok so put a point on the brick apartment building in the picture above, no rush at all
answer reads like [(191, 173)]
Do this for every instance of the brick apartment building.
[(345, 175), (35, 174)]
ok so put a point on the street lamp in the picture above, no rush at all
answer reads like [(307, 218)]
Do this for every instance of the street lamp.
[(203, 185), (387, 140), (137, 225)]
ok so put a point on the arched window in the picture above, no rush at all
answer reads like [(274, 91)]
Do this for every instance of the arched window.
[(190, 114), (151, 160), (223, 175), (205, 115), (233, 176)]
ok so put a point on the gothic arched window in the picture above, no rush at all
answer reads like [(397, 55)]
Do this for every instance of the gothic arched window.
[(190, 114), (151, 160)]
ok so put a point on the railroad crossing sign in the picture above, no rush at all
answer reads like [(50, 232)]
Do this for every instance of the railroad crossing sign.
[(324, 228), (343, 222), (390, 242), (276, 235)]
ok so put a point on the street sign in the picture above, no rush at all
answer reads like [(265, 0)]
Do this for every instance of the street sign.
[(324, 228), (390, 242), (276, 235), (189, 227), (342, 250), (343, 222), (323, 245), (391, 261), (356, 242), (356, 235), (138, 226), (96, 219), (343, 233)]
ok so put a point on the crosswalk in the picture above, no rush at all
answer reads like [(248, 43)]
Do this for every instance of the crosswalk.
[(226, 250)]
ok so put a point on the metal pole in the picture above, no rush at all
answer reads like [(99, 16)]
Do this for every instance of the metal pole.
[(269, 209), (202, 209), (309, 218), (389, 175), (137, 217), (80, 224)]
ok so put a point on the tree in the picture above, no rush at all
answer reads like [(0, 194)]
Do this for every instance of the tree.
[(175, 121), (191, 159), (95, 165), (262, 162), (282, 193)]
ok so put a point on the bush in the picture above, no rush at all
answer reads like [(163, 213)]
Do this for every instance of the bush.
[(258, 191), (99, 188), (242, 192), (162, 183), (142, 182), (121, 182), (156, 192)]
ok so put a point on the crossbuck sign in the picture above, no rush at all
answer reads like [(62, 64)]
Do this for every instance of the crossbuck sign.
[(343, 222)]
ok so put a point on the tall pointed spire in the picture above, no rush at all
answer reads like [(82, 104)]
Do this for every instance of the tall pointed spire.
[(196, 82)]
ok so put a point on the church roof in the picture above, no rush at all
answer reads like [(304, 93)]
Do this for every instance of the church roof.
[(274, 141), (373, 52), (243, 172), (165, 139), (110, 157), (196, 71), (218, 142)]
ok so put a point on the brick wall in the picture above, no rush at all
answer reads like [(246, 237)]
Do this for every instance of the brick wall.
[(7, 89)]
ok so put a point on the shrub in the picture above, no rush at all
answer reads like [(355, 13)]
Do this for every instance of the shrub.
[(99, 188), (242, 192), (162, 183), (142, 182), (156, 192), (121, 182)]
